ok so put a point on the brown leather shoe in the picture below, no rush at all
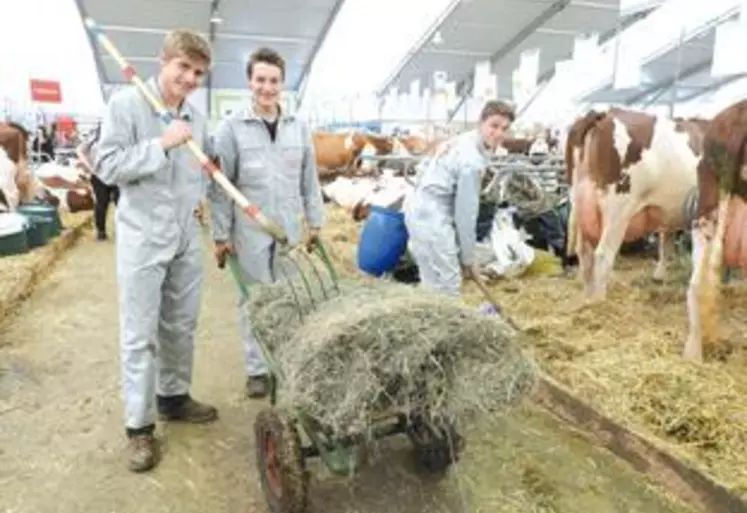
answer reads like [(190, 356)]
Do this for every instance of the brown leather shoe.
[(142, 452), (257, 387), (189, 410)]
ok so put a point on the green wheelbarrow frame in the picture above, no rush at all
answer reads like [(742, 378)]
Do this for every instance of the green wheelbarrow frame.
[(338, 454)]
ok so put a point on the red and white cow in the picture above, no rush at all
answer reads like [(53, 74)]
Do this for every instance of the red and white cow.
[(337, 154), (61, 188), (14, 140), (65, 187), (630, 174), (720, 229)]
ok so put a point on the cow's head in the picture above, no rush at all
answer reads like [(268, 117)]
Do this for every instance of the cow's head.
[(355, 142), (80, 200)]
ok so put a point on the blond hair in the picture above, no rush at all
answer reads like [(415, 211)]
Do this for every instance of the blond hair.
[(187, 43)]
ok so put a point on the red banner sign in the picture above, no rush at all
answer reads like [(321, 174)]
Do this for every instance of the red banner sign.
[(47, 91)]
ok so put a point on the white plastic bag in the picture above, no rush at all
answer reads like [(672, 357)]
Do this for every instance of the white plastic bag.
[(512, 254)]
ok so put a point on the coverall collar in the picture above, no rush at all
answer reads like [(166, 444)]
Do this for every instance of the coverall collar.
[(185, 111)]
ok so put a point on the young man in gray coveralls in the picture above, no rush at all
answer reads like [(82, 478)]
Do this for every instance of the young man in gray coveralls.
[(158, 249), (269, 155)]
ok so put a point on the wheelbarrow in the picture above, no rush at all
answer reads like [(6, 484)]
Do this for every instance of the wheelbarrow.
[(282, 455)]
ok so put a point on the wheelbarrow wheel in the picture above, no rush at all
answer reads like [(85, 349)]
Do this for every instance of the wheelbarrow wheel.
[(280, 462), (435, 447)]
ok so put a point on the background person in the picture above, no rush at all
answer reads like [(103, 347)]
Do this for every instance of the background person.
[(441, 212)]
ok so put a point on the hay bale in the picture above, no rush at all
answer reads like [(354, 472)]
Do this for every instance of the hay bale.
[(382, 345)]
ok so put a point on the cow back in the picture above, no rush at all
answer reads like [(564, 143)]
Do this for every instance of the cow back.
[(14, 138)]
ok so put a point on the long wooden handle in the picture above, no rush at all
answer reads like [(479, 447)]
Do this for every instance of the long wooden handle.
[(491, 299), (254, 213)]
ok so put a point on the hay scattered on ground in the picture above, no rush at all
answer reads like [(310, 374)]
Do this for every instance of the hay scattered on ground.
[(531, 462), (380, 346), (623, 356), (341, 235), (21, 271)]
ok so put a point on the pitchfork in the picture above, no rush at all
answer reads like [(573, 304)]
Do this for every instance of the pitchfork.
[(214, 172)]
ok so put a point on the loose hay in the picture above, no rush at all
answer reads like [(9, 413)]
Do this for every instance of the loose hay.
[(623, 357), (21, 272), (381, 346)]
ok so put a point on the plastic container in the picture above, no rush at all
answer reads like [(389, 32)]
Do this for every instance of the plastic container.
[(383, 241), (40, 232), (46, 211), (13, 234)]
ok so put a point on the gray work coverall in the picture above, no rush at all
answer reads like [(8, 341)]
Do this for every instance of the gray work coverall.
[(278, 177), (441, 213), (158, 248)]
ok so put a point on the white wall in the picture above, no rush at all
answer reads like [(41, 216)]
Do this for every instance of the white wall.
[(223, 100), (51, 47)]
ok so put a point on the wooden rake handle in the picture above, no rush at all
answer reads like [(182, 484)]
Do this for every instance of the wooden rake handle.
[(254, 213), (491, 299)]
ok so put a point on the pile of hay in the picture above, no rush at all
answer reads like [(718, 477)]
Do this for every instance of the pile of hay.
[(380, 345)]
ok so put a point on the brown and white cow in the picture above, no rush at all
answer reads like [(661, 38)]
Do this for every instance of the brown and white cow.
[(337, 152), (631, 174), (57, 189), (522, 145), (414, 144), (720, 229), (14, 140)]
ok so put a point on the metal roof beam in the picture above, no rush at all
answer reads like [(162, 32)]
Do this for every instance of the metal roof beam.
[(466, 84), (224, 35), (666, 84), (100, 68), (627, 22), (701, 30), (712, 87), (418, 46), (318, 42), (211, 37)]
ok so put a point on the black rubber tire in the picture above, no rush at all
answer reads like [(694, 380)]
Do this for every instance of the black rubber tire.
[(278, 446), (434, 448)]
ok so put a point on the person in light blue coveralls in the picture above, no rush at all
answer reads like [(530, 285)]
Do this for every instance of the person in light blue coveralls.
[(158, 247), (269, 155), (441, 212)]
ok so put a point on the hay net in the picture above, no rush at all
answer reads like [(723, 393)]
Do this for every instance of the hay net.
[(378, 346)]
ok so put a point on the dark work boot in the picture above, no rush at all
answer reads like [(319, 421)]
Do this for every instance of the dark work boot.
[(183, 408), (257, 387), (142, 451)]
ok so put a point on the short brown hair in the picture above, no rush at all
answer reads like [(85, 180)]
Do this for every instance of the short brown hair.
[(268, 56), (187, 43), (497, 108)]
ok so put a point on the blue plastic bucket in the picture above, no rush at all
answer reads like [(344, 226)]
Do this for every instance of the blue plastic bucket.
[(383, 241)]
